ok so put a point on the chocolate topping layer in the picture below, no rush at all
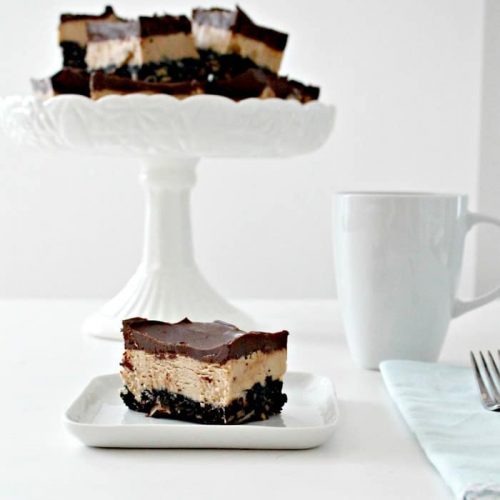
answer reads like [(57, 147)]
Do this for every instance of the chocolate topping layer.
[(66, 81), (272, 38), (143, 27), (101, 81), (164, 25), (215, 342), (303, 93), (239, 22), (108, 11)]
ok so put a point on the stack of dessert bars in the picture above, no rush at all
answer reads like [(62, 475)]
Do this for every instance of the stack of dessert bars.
[(217, 51)]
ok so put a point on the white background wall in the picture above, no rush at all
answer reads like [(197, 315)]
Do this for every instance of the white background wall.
[(405, 75), (488, 268)]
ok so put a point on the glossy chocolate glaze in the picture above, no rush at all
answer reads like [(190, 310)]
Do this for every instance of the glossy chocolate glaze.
[(303, 93), (100, 81), (164, 25), (239, 22), (254, 81), (108, 11), (215, 342), (66, 81), (272, 38)]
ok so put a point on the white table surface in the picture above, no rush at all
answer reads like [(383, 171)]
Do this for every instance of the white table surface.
[(46, 362)]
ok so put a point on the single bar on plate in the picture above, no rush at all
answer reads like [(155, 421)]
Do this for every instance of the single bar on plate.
[(210, 373), (73, 35), (230, 42), (257, 83), (103, 84), (66, 81), (153, 48)]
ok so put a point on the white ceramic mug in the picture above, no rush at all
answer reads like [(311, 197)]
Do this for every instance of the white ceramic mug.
[(398, 261)]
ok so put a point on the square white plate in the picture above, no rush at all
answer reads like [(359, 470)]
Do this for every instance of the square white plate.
[(98, 417)]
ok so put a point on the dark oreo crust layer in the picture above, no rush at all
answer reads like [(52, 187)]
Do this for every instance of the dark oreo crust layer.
[(259, 403), (239, 22), (180, 70), (215, 342), (169, 71), (73, 55), (223, 66)]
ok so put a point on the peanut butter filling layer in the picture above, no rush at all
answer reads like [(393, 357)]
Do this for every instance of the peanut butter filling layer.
[(209, 383)]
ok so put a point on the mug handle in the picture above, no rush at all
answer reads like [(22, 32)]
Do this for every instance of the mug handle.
[(462, 306)]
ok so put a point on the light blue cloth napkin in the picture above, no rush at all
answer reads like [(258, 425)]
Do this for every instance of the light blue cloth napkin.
[(441, 406)]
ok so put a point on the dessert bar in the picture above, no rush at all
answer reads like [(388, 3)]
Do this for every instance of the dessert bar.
[(73, 35), (229, 42), (218, 51), (148, 48), (210, 373), (258, 83)]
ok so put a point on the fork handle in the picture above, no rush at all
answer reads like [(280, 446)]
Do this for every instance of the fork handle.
[(462, 306)]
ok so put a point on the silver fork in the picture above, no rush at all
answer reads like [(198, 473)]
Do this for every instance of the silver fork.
[(490, 397)]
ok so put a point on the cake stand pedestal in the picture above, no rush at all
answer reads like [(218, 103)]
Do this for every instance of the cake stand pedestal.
[(169, 137), (167, 284)]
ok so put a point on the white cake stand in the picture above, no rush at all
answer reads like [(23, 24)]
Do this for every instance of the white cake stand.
[(169, 136)]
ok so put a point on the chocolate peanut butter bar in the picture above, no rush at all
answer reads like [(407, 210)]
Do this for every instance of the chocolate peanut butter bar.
[(219, 52), (210, 373), (230, 41), (73, 35), (103, 84), (153, 48), (258, 83)]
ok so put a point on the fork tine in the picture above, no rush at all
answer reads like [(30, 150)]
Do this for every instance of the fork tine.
[(494, 390), (495, 368), (483, 391)]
